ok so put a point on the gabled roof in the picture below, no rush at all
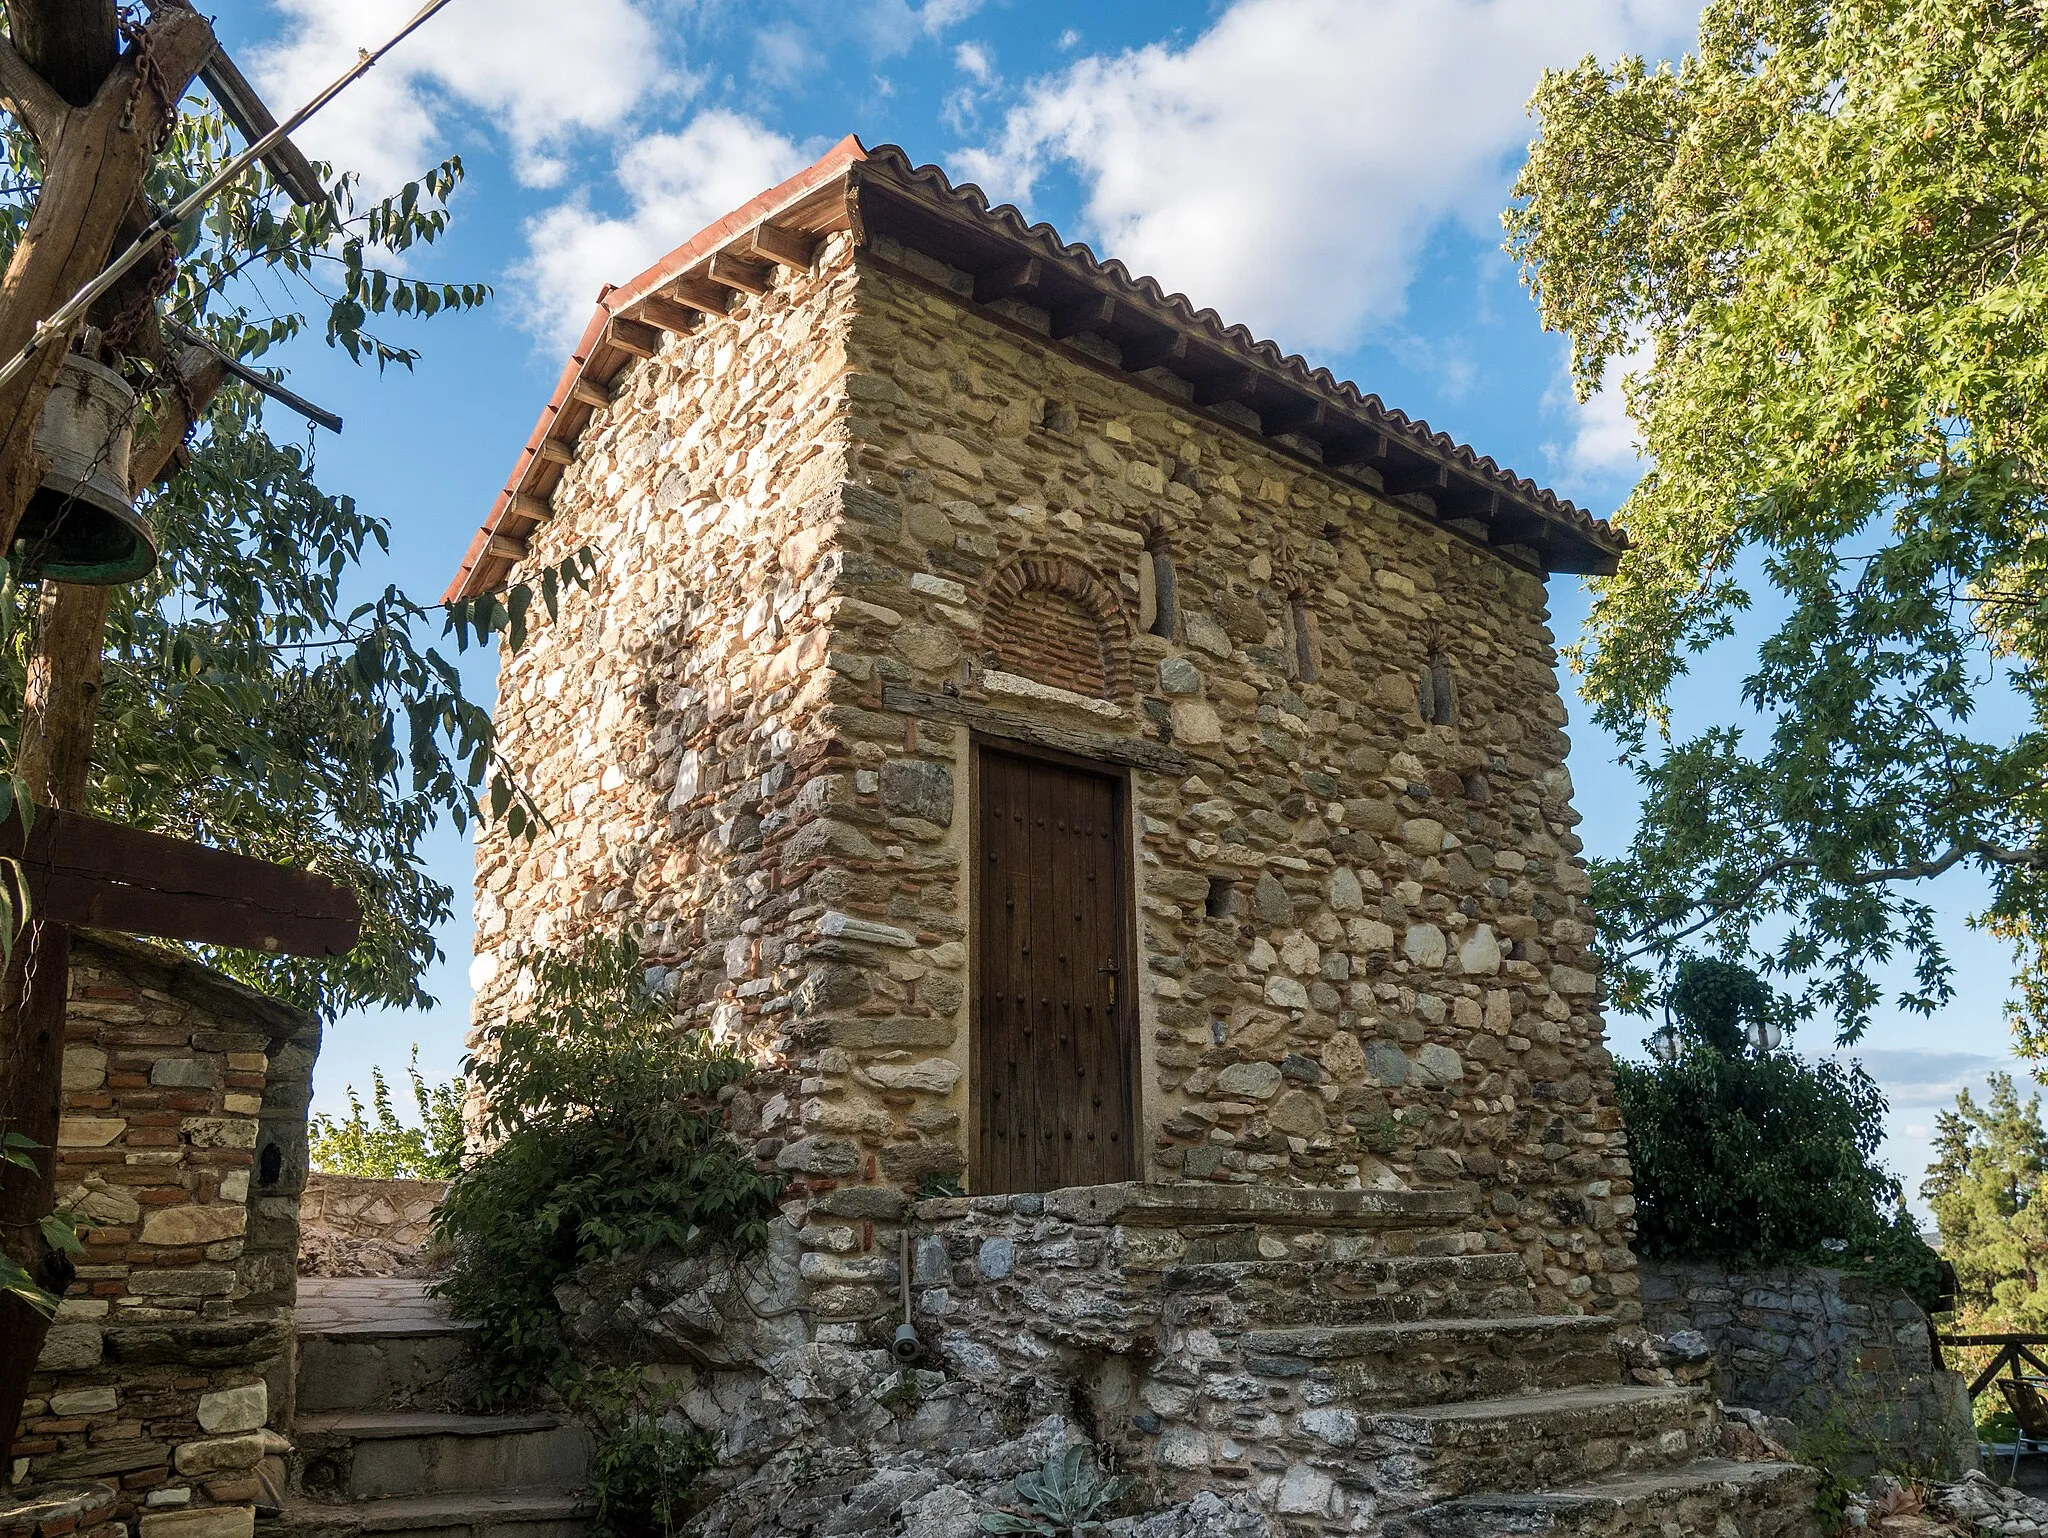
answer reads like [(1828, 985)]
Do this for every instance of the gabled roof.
[(1233, 376)]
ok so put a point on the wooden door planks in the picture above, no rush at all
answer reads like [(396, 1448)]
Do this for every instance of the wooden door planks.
[(1054, 1036)]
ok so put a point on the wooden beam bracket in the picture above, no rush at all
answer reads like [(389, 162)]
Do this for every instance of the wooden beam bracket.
[(1164, 350), (1303, 413), (1091, 314), (632, 336), (1008, 280), (733, 273), (1233, 384), (789, 248), (1430, 477)]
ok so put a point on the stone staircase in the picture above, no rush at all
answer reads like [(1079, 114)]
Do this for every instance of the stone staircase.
[(1358, 1361), (383, 1445)]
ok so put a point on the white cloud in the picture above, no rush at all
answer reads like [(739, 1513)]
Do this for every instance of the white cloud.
[(1287, 167), (538, 81), (1604, 445), (895, 26), (675, 184), (972, 60), (1913, 1078)]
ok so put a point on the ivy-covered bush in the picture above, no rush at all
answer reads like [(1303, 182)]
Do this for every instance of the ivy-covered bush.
[(1755, 1157), (604, 1135)]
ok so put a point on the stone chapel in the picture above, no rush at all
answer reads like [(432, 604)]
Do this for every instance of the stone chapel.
[(1105, 767)]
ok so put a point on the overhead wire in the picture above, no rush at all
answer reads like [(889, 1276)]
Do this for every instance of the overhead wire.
[(59, 323)]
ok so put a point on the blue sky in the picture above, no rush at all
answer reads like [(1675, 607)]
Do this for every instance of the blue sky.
[(1329, 172)]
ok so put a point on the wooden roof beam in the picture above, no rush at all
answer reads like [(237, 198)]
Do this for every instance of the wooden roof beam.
[(699, 293), (1304, 413), (1429, 476), (1343, 453), (1162, 351), (1008, 280), (749, 277), (586, 393), (1091, 314), (669, 315), (1234, 384), (528, 508), (632, 336), (506, 546), (788, 248), (553, 451)]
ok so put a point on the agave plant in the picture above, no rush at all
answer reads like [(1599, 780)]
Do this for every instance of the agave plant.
[(1062, 1499)]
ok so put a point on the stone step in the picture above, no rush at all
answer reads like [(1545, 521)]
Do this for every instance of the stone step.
[(1530, 1441), (1194, 1204), (1234, 1293), (1438, 1361), (1708, 1497), (369, 1455), (519, 1514), (358, 1368)]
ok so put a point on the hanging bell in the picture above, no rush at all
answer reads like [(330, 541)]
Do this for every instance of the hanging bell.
[(81, 525)]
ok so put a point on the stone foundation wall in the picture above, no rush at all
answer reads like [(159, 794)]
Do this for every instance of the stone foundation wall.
[(398, 1212), (183, 1145), (1820, 1347)]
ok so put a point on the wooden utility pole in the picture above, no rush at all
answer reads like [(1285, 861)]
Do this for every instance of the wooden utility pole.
[(98, 116)]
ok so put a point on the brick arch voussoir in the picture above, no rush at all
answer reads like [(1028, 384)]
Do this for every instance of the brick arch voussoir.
[(1088, 588)]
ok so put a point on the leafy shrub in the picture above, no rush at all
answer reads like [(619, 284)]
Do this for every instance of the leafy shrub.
[(605, 1136), (388, 1149), (1761, 1158), (643, 1468)]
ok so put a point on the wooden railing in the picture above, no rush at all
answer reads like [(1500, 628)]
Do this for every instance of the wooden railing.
[(2013, 1351)]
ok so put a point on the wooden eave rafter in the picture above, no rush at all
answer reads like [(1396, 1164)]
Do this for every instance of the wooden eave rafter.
[(1246, 384)]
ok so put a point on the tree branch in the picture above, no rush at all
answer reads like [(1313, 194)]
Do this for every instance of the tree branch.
[(29, 97), (70, 44), (1918, 870)]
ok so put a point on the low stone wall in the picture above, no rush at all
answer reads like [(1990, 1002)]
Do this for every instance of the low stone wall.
[(1824, 1349), (183, 1144), (397, 1212)]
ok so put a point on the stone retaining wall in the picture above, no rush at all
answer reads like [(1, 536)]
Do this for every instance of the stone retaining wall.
[(398, 1212), (1832, 1353), (183, 1144)]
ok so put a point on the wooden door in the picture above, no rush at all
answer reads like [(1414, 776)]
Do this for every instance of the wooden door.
[(1054, 1040)]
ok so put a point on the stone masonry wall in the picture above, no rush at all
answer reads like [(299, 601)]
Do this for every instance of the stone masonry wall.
[(183, 1145), (1399, 990), (1808, 1343), (1362, 935), (399, 1212), (668, 723)]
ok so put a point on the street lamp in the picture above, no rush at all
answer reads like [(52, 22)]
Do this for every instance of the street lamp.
[(1664, 1043), (1764, 1036)]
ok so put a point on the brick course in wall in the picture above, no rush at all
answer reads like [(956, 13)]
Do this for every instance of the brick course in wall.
[(183, 1146)]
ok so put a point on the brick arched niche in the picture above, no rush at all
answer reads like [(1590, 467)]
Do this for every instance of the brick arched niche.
[(1054, 621)]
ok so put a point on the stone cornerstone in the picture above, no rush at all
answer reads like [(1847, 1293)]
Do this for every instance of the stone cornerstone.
[(183, 1143), (948, 578)]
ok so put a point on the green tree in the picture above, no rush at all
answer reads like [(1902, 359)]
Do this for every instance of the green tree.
[(259, 695), (256, 695), (1985, 1185), (1756, 1157), (605, 1134), (1817, 251), (385, 1148)]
